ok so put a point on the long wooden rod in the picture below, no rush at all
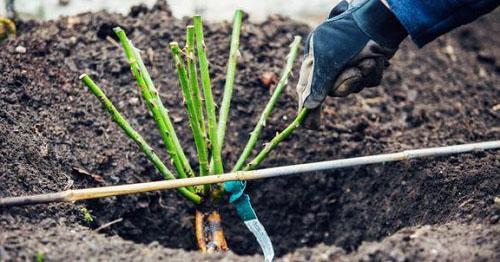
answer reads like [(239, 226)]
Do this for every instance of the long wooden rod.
[(99, 192)]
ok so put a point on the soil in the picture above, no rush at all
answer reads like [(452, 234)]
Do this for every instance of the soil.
[(54, 135)]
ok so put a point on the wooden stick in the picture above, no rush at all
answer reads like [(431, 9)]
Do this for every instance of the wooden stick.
[(90, 193)]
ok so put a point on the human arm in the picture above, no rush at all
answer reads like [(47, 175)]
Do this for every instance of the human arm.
[(352, 47)]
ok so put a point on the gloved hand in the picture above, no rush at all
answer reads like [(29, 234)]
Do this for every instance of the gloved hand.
[(347, 52)]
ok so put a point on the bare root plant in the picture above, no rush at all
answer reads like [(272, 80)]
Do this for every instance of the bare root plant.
[(208, 130)]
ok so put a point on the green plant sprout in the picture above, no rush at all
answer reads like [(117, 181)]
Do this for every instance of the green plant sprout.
[(192, 68), (39, 256), (87, 217)]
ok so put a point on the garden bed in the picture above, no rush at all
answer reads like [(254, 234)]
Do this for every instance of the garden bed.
[(54, 135)]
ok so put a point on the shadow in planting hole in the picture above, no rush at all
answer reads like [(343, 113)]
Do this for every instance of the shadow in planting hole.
[(341, 207)]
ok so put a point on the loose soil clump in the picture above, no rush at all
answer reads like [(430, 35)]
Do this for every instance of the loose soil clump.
[(54, 135)]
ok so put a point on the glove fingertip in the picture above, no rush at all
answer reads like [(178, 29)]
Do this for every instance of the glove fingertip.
[(311, 103), (313, 119)]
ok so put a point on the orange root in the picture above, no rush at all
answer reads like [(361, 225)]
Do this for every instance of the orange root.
[(209, 234), (199, 231)]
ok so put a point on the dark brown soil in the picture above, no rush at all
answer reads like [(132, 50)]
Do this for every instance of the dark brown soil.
[(55, 135)]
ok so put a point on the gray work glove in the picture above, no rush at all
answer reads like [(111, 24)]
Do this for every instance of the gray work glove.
[(347, 52)]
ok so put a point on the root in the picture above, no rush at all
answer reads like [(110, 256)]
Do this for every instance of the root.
[(209, 234), (199, 231)]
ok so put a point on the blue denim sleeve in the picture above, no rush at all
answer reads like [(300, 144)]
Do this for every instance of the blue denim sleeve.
[(427, 19)]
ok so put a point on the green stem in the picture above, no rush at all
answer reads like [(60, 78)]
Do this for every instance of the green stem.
[(294, 47), (194, 88), (199, 139), (207, 93), (193, 78), (155, 105), (276, 140), (230, 76), (136, 137)]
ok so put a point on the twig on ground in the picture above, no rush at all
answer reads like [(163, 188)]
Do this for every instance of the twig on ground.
[(108, 224)]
